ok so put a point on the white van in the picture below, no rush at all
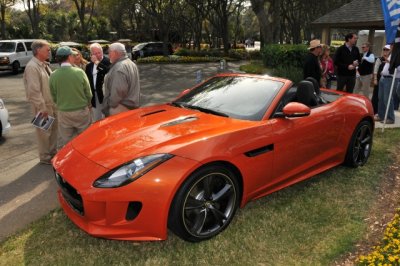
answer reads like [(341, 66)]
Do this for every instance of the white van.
[(15, 54)]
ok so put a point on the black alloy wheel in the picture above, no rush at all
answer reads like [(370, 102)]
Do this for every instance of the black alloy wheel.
[(205, 204), (360, 145)]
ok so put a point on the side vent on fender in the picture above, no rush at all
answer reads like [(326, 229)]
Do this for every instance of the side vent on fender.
[(259, 151)]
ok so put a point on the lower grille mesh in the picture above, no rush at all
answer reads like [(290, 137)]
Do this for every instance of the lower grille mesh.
[(70, 194)]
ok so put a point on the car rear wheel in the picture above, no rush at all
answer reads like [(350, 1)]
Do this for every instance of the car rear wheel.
[(360, 145), (15, 67), (205, 204)]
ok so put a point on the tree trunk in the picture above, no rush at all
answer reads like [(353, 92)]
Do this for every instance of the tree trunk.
[(3, 21), (259, 10)]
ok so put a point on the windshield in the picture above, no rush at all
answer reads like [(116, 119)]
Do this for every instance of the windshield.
[(7, 47), (245, 98)]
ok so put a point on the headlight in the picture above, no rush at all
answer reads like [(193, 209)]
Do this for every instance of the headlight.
[(4, 60), (130, 171)]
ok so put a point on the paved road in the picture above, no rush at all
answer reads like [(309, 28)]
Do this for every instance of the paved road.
[(27, 188)]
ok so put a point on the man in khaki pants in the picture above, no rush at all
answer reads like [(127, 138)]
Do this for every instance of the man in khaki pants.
[(36, 81), (121, 84), (71, 92)]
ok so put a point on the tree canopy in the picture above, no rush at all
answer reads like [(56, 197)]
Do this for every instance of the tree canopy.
[(220, 23)]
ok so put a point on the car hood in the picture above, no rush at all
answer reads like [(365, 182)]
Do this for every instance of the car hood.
[(157, 129), (6, 53)]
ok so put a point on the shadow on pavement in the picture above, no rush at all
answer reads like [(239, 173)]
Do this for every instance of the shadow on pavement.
[(26, 199)]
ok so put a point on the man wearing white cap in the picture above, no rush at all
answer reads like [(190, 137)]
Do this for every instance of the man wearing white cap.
[(70, 90), (378, 67), (312, 67)]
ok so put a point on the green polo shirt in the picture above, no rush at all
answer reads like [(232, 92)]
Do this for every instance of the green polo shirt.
[(70, 88)]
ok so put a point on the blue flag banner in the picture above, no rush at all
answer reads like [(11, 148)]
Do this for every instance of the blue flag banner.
[(391, 14)]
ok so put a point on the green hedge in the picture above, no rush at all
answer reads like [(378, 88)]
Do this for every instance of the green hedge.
[(289, 72), (179, 59), (282, 55), (239, 54)]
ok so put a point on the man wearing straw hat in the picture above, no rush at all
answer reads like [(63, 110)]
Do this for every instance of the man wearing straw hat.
[(312, 66)]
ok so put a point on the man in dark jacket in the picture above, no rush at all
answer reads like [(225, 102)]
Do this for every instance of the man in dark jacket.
[(347, 58), (312, 66), (96, 70)]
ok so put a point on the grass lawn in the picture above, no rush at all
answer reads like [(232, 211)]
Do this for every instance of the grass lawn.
[(311, 223)]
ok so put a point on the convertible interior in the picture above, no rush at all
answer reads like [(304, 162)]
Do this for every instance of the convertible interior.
[(308, 93)]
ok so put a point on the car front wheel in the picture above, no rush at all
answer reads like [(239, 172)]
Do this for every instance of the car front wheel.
[(360, 145), (205, 204), (15, 67)]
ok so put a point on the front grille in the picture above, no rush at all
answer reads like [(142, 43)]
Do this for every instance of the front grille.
[(70, 194)]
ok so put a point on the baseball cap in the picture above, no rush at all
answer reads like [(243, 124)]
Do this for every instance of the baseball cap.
[(387, 47), (64, 51)]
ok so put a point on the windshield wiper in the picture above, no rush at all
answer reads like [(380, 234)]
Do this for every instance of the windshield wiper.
[(202, 109)]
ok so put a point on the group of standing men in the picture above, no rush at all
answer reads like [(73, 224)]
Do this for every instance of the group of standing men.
[(355, 72), (76, 97)]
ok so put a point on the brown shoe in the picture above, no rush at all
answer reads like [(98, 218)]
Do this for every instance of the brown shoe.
[(377, 118)]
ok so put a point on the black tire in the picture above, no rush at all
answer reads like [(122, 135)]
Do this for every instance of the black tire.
[(15, 67), (1, 129), (205, 204), (360, 145)]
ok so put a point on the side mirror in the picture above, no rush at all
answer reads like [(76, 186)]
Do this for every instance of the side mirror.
[(295, 109)]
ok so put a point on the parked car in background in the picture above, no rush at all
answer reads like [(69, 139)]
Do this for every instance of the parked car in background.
[(15, 54), (150, 49), (4, 124)]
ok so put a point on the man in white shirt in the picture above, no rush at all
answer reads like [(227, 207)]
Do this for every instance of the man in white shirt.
[(365, 71)]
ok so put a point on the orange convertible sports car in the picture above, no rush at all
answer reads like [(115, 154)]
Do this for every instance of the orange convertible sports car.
[(189, 164)]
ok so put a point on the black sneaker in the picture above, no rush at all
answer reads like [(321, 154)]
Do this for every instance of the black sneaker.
[(388, 122)]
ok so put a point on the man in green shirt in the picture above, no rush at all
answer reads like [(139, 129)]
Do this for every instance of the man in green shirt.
[(70, 90)]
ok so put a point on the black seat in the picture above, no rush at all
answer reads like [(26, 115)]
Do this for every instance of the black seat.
[(305, 93), (317, 90), (315, 84)]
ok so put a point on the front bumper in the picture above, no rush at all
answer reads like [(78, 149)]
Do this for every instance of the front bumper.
[(137, 211), (6, 128), (5, 67), (4, 119)]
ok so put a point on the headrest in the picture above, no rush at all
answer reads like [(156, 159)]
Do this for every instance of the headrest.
[(315, 85), (306, 84)]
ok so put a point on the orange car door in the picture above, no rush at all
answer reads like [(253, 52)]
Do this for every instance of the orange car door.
[(305, 143)]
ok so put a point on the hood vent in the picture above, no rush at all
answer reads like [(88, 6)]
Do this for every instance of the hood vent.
[(155, 112), (180, 121)]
